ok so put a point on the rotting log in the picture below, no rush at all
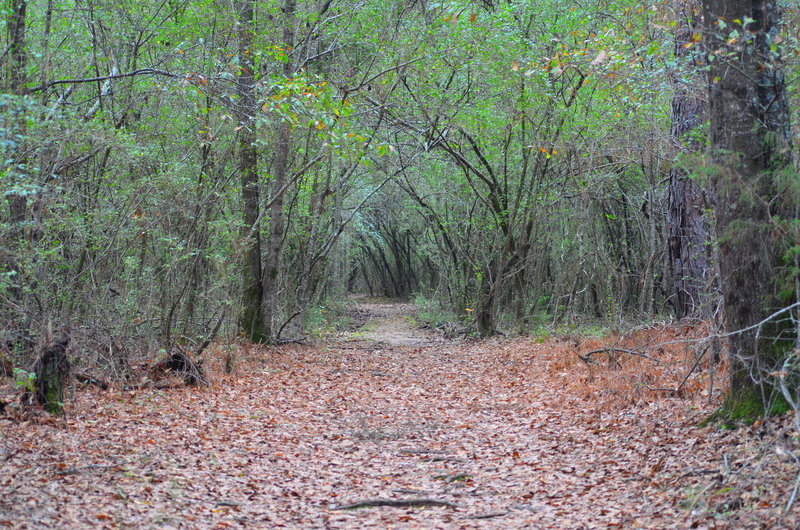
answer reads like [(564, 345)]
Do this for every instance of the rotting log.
[(181, 364)]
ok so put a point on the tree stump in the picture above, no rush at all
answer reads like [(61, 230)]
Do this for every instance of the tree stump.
[(51, 369), (180, 363)]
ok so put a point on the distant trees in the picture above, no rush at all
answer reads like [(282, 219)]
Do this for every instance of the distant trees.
[(166, 164)]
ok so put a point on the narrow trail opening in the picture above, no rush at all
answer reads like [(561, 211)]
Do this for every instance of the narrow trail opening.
[(389, 323)]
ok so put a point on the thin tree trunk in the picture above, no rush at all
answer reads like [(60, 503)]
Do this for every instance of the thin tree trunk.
[(251, 319), (19, 57), (687, 229), (277, 221)]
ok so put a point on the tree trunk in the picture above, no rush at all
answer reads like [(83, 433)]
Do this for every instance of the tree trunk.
[(51, 369), (16, 48), (751, 142), (687, 228), (280, 174), (251, 319)]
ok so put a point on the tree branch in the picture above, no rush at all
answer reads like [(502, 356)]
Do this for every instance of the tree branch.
[(586, 358), (140, 71)]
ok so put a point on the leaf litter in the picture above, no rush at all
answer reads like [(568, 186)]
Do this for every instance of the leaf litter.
[(424, 433)]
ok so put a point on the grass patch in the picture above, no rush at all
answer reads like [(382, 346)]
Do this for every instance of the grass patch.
[(432, 313)]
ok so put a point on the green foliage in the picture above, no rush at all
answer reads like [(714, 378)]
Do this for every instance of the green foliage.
[(500, 155), (25, 380), (746, 408), (432, 313)]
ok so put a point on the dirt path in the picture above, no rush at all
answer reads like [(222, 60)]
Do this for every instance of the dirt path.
[(392, 324), (499, 433)]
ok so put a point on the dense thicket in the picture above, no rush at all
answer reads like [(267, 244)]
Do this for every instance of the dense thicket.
[(170, 163)]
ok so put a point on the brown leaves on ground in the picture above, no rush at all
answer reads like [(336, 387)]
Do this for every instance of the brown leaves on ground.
[(489, 434)]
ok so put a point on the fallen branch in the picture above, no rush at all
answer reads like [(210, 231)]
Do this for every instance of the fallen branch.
[(86, 379), (685, 379), (280, 330), (587, 357), (489, 515), (398, 503), (211, 337), (694, 367), (453, 478)]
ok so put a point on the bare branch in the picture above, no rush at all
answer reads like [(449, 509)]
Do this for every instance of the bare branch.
[(587, 357), (140, 71)]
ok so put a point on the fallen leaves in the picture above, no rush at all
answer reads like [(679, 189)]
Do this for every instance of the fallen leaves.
[(502, 433)]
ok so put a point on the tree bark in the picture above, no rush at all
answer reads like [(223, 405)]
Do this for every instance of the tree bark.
[(751, 143), (687, 227), (281, 169), (51, 369), (251, 319)]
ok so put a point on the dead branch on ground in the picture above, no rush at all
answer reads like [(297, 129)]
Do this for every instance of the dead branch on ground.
[(587, 356), (398, 503)]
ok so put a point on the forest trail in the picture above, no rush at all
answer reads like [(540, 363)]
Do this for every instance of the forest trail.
[(407, 429), (389, 323)]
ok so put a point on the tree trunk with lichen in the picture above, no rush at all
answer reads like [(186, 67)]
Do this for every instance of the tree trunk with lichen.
[(751, 149), (251, 320)]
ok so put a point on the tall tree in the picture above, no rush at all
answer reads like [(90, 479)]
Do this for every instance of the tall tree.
[(751, 146), (687, 227), (252, 321), (16, 48), (279, 175)]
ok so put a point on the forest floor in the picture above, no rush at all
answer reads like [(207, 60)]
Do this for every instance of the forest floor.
[(392, 426)]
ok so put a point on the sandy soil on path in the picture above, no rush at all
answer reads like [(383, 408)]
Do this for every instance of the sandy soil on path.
[(392, 324)]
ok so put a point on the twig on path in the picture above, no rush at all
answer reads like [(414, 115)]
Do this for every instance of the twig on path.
[(444, 459), (399, 503), (453, 477), (587, 356), (794, 495), (90, 467), (489, 515)]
